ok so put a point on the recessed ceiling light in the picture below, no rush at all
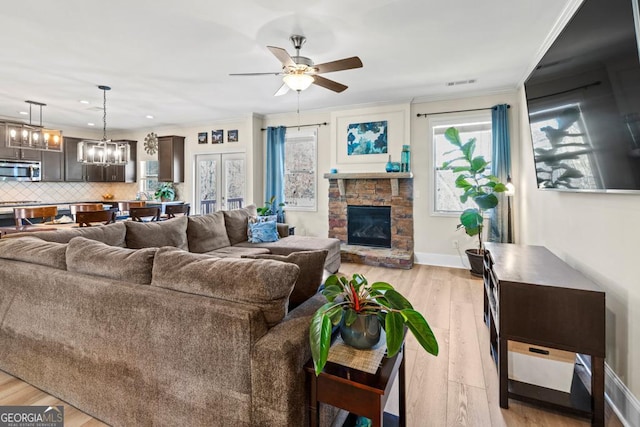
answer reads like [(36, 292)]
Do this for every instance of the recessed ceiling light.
[(149, 116), (82, 101), (24, 113), (91, 124)]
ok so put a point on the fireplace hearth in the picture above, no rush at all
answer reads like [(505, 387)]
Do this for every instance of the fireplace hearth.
[(369, 226)]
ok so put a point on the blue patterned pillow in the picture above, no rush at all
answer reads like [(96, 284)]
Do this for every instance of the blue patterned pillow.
[(263, 231)]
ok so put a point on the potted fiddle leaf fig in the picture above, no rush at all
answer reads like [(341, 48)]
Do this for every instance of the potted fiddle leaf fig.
[(477, 184), (361, 308)]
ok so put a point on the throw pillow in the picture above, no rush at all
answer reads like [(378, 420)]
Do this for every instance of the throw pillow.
[(263, 232), (261, 283), (172, 232), (258, 219), (207, 233), (311, 264), (236, 221), (94, 258), (34, 250)]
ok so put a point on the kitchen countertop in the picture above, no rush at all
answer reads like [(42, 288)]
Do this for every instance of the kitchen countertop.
[(6, 208)]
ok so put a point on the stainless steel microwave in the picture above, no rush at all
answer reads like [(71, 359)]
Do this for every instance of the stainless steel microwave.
[(20, 170)]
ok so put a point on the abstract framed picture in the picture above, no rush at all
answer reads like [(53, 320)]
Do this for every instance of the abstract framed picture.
[(217, 136), (203, 137), (367, 138), (232, 135)]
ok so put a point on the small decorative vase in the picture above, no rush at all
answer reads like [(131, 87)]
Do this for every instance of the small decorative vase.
[(389, 166), (364, 333)]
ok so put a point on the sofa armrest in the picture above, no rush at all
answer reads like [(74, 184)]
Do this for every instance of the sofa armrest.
[(277, 375), (283, 229)]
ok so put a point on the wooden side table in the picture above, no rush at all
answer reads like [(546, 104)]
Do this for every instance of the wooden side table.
[(356, 391)]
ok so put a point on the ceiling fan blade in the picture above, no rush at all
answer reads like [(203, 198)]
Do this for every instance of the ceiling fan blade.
[(329, 84), (283, 89), (282, 56), (339, 65), (256, 74)]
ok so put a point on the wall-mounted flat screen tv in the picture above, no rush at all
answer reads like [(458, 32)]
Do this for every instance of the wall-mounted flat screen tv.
[(584, 102)]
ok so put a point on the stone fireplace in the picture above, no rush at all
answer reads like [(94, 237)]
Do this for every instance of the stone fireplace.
[(358, 191)]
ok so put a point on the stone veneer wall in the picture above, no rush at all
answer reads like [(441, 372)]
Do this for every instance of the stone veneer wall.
[(375, 192)]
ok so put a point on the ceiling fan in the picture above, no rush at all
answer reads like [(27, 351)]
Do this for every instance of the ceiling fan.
[(300, 72)]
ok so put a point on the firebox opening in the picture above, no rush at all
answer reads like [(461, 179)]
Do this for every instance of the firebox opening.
[(369, 226)]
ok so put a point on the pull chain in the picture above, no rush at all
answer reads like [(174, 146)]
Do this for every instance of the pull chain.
[(298, 111)]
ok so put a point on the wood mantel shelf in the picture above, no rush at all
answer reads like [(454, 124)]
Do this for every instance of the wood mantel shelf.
[(392, 176)]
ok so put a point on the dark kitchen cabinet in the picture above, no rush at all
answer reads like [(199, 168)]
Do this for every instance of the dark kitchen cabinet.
[(171, 158), (31, 155), (73, 170), (52, 166)]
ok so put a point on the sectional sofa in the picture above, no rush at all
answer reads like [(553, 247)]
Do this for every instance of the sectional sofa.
[(124, 323)]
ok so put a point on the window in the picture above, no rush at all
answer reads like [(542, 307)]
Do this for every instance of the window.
[(300, 177), (149, 179), (446, 197)]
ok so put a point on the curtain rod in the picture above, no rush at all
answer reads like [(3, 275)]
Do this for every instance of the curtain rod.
[(457, 111), (302, 126)]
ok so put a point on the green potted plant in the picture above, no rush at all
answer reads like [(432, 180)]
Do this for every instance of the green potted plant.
[(351, 300), (269, 208), (165, 192), (478, 185)]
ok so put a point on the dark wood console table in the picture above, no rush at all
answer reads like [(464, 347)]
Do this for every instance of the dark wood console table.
[(533, 297)]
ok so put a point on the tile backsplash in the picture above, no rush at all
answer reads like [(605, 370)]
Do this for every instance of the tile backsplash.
[(46, 192)]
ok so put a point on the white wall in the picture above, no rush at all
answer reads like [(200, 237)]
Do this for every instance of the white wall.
[(598, 235)]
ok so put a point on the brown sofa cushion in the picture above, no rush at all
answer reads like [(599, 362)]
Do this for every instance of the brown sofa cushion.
[(207, 233), (236, 221), (94, 258), (172, 232), (262, 283), (36, 251), (311, 264), (112, 234)]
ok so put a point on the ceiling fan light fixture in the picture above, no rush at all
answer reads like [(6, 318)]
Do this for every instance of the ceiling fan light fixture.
[(298, 82)]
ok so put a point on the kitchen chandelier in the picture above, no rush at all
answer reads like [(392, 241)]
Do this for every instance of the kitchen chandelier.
[(34, 137), (104, 152)]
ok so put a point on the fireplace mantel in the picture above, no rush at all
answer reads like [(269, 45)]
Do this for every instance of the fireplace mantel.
[(392, 176)]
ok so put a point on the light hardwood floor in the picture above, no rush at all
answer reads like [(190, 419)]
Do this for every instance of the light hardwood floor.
[(457, 388)]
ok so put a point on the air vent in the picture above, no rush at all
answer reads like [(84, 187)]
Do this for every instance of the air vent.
[(461, 82)]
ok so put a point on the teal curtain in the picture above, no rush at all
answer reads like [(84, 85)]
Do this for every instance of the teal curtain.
[(500, 167), (275, 168)]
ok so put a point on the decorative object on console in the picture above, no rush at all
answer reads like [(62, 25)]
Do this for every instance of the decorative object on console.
[(217, 136), (104, 152), (478, 185), (350, 298), (151, 143), (203, 137), (232, 135), (34, 137), (367, 138)]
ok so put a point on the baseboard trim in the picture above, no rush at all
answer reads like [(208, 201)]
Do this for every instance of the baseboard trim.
[(440, 260), (623, 403)]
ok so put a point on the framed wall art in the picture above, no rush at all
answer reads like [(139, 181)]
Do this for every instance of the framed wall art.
[(217, 136), (232, 135), (367, 138), (203, 138)]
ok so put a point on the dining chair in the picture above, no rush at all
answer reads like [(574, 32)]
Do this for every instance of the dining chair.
[(172, 210), (74, 208), (103, 217), (26, 213), (125, 207), (147, 214)]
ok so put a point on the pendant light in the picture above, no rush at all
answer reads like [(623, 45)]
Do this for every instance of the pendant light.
[(104, 152), (34, 137)]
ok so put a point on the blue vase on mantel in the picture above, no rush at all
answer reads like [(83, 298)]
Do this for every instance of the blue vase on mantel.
[(389, 166)]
